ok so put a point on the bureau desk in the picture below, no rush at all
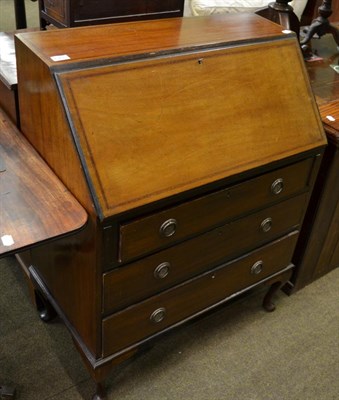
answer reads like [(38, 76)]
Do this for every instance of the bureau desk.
[(193, 153)]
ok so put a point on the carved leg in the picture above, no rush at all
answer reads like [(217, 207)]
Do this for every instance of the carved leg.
[(100, 391), (7, 392), (44, 307), (268, 299)]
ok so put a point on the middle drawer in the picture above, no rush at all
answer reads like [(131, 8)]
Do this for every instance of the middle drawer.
[(134, 282)]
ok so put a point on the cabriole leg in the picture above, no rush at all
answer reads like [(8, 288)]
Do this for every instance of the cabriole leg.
[(268, 299)]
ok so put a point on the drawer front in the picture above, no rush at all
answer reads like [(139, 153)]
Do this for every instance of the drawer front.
[(162, 229), (56, 9), (91, 9), (134, 282), (138, 322)]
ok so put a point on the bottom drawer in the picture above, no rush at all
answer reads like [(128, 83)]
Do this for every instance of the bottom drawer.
[(146, 318)]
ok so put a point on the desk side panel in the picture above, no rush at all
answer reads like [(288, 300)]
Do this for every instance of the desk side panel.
[(70, 270), (44, 124)]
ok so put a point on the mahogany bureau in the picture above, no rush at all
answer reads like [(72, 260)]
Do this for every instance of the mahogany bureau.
[(193, 152)]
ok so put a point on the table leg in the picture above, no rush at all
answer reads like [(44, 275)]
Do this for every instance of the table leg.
[(20, 14)]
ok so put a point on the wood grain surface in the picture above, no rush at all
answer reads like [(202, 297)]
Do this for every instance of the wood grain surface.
[(129, 39), (34, 205), (151, 129)]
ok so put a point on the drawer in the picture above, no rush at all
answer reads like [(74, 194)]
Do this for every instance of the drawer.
[(163, 228), (134, 282), (91, 9), (157, 313), (56, 9)]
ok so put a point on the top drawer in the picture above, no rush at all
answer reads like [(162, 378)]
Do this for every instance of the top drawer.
[(146, 234)]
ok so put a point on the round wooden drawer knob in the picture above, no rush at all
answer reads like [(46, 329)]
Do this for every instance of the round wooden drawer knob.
[(257, 267), (158, 315), (162, 270), (168, 228), (277, 186)]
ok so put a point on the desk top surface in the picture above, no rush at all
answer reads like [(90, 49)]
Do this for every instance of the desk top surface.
[(112, 41), (34, 205)]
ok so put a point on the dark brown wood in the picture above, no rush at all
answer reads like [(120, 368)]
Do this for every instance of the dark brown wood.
[(100, 392), (320, 26), (317, 252), (282, 13), (190, 124), (35, 206), (276, 284), (69, 13), (311, 12), (137, 281), (190, 298), (20, 14)]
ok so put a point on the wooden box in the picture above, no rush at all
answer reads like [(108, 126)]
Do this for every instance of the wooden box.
[(193, 149)]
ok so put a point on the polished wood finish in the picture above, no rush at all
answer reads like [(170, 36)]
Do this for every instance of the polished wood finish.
[(193, 296), (144, 38), (142, 235), (215, 246), (281, 13), (69, 13), (35, 205), (120, 184), (129, 131)]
